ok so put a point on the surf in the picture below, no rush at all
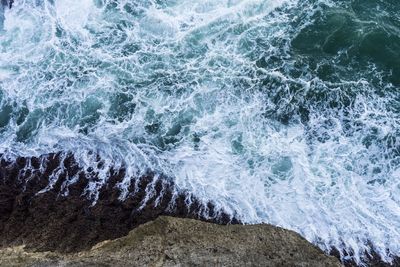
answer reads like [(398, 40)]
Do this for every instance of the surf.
[(277, 111)]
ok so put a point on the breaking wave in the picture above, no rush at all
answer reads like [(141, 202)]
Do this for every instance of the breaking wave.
[(279, 111)]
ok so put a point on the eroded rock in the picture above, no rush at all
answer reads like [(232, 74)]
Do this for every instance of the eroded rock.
[(62, 217), (169, 241)]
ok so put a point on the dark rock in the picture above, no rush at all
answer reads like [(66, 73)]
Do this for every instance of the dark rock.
[(372, 259), (63, 217)]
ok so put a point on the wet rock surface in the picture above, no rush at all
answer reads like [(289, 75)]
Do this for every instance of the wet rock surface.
[(47, 207), (169, 241)]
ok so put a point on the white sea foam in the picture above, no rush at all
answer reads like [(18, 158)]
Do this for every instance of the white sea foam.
[(174, 86)]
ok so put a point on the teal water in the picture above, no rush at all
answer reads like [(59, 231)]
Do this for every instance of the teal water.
[(280, 111)]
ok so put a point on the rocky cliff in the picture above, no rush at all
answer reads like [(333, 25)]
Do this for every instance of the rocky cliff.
[(44, 204), (169, 241)]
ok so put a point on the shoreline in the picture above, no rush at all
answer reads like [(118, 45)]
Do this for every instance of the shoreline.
[(70, 222), (52, 222), (169, 241)]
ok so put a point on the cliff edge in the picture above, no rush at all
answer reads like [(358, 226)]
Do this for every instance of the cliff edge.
[(169, 241)]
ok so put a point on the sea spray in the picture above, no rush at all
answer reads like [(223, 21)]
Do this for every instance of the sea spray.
[(285, 112)]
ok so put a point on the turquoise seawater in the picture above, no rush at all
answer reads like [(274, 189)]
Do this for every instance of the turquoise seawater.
[(279, 111)]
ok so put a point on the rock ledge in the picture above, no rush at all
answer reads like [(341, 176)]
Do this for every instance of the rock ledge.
[(169, 241)]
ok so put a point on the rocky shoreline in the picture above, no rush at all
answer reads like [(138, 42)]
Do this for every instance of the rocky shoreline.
[(46, 223), (64, 218), (61, 226), (169, 241)]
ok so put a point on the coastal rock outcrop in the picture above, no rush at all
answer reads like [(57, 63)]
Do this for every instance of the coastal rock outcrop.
[(45, 204), (169, 241)]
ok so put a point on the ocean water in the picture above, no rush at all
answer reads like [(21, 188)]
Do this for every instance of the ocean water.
[(279, 111)]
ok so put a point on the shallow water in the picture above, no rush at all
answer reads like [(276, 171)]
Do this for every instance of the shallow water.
[(280, 111)]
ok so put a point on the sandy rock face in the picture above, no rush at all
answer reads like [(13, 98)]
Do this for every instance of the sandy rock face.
[(169, 241)]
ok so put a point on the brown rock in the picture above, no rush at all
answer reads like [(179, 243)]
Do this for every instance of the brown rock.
[(169, 241)]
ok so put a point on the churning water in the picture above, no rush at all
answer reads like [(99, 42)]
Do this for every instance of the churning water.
[(279, 111)]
